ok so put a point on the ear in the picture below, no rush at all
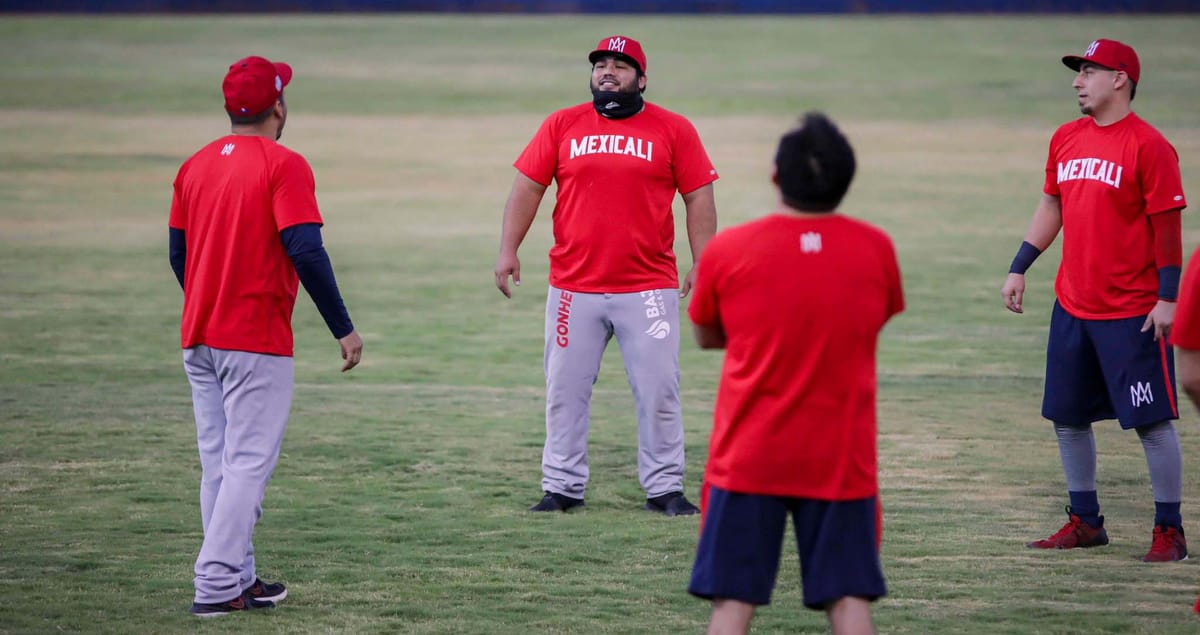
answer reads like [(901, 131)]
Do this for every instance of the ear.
[(642, 82), (1121, 79), (280, 108), (775, 176)]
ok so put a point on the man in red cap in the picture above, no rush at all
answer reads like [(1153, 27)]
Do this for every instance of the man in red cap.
[(618, 162), (1185, 337), (244, 232), (1113, 187)]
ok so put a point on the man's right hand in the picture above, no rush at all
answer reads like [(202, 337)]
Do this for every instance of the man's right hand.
[(1013, 292), (507, 264), (352, 346)]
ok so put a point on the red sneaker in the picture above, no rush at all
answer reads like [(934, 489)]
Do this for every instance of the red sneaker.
[(1076, 534), (1168, 545)]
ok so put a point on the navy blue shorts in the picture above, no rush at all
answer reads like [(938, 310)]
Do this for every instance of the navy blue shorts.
[(738, 554), (1107, 369)]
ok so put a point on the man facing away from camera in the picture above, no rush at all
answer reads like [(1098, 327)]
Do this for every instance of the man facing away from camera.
[(244, 232), (797, 300)]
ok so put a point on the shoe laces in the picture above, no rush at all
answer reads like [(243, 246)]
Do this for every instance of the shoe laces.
[(1164, 539), (1071, 527)]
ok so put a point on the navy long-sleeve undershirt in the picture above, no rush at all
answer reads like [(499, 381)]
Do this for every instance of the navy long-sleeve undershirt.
[(307, 253)]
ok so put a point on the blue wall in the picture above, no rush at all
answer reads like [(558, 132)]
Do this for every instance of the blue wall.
[(609, 6)]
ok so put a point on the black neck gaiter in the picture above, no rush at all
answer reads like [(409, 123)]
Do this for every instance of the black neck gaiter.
[(617, 105)]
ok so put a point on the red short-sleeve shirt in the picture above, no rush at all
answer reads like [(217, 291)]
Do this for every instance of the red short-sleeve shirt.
[(232, 198), (613, 227), (801, 301), (1109, 179)]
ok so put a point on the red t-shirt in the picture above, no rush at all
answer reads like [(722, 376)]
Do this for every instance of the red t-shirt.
[(1185, 332), (801, 301), (232, 198), (613, 227), (1109, 180)]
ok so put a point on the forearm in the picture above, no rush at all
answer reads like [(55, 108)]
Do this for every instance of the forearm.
[(177, 252), (1187, 365), (709, 335), (316, 274), (1168, 252), (308, 256), (1046, 223), (701, 210)]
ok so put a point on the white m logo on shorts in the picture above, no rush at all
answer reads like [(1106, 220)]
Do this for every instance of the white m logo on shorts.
[(1140, 394), (616, 44)]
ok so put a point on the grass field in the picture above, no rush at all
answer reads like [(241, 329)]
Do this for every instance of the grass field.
[(398, 504)]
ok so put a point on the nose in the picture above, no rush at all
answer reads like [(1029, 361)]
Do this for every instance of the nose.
[(1078, 82)]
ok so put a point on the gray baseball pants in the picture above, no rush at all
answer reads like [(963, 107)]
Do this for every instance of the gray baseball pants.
[(241, 401), (578, 328)]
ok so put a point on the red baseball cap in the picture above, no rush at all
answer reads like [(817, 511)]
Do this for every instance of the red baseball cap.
[(1110, 54), (254, 84), (622, 46)]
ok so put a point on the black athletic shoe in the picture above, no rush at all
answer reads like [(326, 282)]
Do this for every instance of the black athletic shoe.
[(259, 592), (239, 603), (671, 504), (553, 502)]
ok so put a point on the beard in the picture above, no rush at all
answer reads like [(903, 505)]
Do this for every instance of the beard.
[(624, 102)]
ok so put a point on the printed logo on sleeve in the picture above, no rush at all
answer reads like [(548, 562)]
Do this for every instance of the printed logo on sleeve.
[(227, 150)]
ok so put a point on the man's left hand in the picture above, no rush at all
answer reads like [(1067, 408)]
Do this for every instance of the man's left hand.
[(1161, 317)]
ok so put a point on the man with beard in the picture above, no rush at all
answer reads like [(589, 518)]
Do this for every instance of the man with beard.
[(618, 162)]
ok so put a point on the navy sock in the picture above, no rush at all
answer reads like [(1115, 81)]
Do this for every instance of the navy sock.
[(1086, 506), (1168, 514)]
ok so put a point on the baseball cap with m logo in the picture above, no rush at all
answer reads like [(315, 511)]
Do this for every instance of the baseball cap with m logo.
[(1110, 54), (621, 46)]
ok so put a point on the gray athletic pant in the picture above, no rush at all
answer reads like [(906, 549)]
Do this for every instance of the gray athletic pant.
[(578, 328), (241, 401)]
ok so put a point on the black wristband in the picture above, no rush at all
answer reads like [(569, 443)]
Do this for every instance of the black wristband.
[(1024, 258), (1168, 283)]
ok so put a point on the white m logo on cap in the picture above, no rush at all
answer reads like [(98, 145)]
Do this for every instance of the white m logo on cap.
[(616, 44), (1091, 49)]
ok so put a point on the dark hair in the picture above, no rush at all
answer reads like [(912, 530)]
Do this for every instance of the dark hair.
[(1132, 89), (249, 120), (814, 165)]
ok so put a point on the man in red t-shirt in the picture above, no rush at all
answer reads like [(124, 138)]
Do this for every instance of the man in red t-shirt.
[(1113, 187), (797, 300), (1185, 337), (618, 162), (244, 233)]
